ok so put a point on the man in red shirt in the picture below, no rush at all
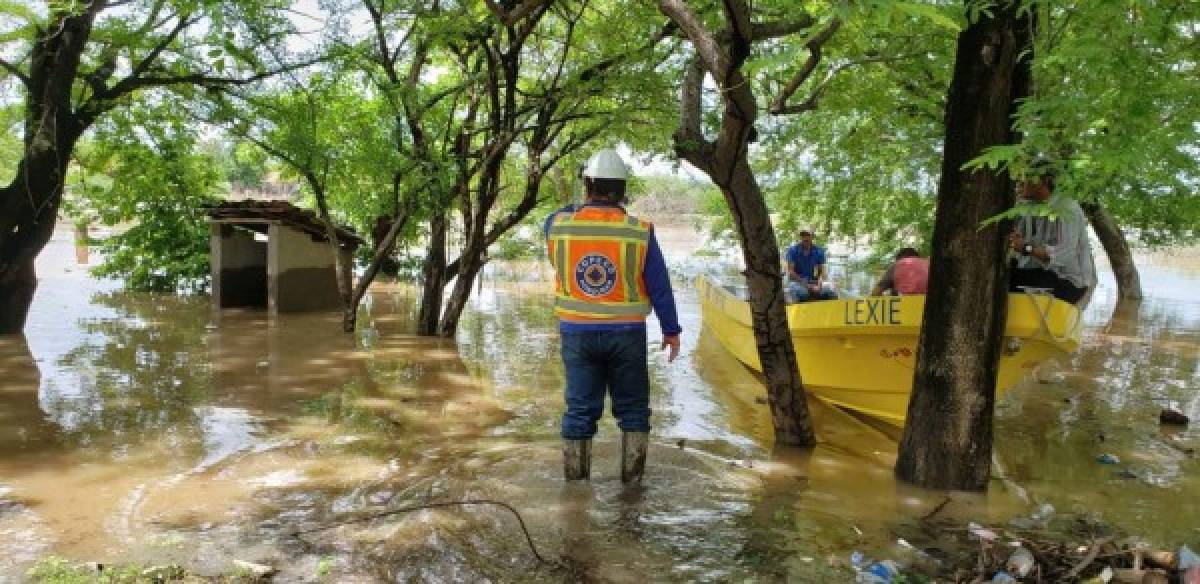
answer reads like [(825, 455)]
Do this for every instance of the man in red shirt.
[(909, 274)]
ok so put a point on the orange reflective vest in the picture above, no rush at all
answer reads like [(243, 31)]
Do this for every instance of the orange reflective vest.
[(598, 255)]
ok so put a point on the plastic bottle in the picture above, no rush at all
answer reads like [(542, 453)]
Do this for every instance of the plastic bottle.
[(1003, 577), (1020, 563)]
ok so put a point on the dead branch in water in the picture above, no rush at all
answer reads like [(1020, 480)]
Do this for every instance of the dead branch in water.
[(435, 505)]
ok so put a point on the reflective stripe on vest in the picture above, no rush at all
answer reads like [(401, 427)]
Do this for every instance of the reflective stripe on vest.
[(599, 254)]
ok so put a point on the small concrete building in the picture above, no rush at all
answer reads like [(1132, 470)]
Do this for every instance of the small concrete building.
[(274, 255)]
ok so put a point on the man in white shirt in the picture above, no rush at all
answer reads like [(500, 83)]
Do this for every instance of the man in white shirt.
[(1052, 252)]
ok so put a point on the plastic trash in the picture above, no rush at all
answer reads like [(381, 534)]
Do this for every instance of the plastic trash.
[(1104, 577), (1045, 511), (1186, 558), (1107, 458), (1003, 577), (980, 532), (910, 556), (1036, 520), (884, 571), (1020, 563)]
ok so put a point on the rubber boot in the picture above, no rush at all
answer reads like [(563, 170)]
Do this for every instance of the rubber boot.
[(633, 456), (577, 459)]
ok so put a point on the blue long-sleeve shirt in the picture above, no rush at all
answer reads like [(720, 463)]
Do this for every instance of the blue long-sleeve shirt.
[(654, 273)]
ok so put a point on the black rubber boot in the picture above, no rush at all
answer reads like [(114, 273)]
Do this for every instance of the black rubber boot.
[(577, 459), (633, 456)]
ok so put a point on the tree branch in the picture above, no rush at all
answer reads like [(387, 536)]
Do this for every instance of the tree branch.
[(162, 44), (809, 104), (691, 105), (128, 85), (714, 58), (385, 53), (760, 31), (814, 46), (523, 10), (16, 71)]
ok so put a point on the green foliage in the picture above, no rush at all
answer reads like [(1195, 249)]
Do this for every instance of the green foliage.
[(863, 166), (1115, 104), (1115, 110), (244, 165), (57, 570), (328, 133), (155, 183)]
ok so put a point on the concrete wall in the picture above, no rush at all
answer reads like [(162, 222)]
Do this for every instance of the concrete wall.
[(239, 267), (301, 272)]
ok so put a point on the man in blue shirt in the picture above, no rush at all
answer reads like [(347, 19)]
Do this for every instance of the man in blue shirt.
[(806, 271), (609, 274)]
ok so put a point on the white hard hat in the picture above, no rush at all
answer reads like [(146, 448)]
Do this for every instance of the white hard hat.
[(606, 163)]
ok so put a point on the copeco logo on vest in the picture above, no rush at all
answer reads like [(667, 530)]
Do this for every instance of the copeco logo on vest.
[(595, 274)]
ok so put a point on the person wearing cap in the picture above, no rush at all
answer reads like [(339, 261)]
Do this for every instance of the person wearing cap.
[(806, 271), (609, 274), (1051, 253)]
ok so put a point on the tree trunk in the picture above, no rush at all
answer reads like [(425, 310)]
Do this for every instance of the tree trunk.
[(433, 276), (29, 205), (724, 160), (30, 208), (789, 406), (1116, 247), (947, 441), (383, 224), (17, 286), (469, 266)]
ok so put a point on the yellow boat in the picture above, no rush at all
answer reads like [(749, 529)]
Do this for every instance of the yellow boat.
[(859, 353)]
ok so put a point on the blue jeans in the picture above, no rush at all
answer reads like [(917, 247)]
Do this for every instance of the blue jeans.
[(600, 361), (798, 292)]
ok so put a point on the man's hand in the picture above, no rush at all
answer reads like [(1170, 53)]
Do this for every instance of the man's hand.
[(673, 342)]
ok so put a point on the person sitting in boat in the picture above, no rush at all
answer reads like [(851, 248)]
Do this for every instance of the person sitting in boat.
[(909, 274), (806, 271), (1051, 253)]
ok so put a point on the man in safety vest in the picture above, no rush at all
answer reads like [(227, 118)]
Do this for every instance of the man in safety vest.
[(609, 273)]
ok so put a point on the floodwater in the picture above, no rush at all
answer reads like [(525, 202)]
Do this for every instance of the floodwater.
[(146, 428)]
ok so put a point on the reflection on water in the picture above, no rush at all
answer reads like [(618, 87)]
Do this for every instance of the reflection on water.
[(138, 427)]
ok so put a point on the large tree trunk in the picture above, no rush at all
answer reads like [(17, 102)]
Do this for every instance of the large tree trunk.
[(724, 160), (29, 205), (433, 276), (947, 441), (789, 406), (1116, 247), (30, 209)]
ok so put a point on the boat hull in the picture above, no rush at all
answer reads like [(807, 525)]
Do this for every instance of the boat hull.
[(860, 353)]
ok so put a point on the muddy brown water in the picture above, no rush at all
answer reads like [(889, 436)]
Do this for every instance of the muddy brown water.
[(146, 428)]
